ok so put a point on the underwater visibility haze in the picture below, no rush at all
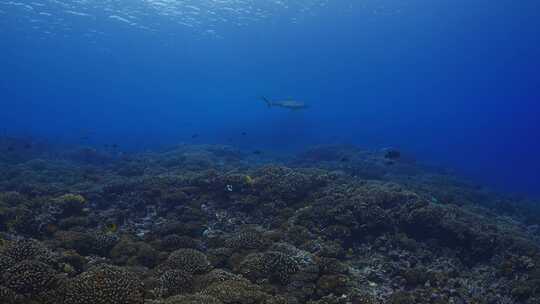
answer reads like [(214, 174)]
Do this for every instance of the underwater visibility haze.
[(453, 82), (269, 151)]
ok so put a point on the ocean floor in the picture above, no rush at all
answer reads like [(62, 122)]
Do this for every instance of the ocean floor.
[(213, 224)]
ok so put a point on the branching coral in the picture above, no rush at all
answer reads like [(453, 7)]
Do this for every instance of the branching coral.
[(28, 249), (273, 265), (236, 292), (188, 260), (174, 282), (248, 239), (103, 284), (69, 204), (29, 277)]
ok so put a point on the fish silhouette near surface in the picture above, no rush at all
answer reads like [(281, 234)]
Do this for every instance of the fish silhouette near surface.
[(287, 104)]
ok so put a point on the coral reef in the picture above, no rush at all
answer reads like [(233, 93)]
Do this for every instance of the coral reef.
[(102, 284), (27, 249), (174, 282), (210, 224), (29, 277), (236, 291), (188, 260)]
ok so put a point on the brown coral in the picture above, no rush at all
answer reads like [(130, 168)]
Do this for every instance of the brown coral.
[(29, 278), (237, 292), (103, 284), (188, 260), (28, 249)]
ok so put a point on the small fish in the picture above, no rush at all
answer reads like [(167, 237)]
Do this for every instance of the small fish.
[(344, 159), (243, 133), (257, 152), (287, 104), (10, 149), (111, 228), (28, 146), (194, 136)]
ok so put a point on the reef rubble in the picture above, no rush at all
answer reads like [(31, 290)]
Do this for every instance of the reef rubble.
[(212, 224)]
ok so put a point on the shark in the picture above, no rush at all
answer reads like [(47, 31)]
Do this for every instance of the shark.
[(287, 104)]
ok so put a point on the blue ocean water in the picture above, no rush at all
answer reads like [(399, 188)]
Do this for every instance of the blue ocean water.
[(455, 83)]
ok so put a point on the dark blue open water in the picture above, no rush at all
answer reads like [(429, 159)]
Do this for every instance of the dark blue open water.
[(450, 82)]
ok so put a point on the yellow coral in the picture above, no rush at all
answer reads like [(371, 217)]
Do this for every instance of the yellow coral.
[(71, 198)]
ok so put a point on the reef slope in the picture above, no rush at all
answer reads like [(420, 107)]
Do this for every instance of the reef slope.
[(211, 224)]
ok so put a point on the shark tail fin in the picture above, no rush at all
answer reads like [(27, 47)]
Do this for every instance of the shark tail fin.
[(268, 102)]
